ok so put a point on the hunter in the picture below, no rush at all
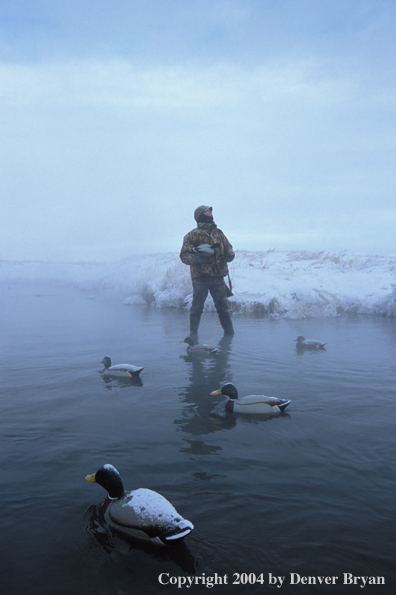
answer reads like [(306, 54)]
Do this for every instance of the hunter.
[(207, 251)]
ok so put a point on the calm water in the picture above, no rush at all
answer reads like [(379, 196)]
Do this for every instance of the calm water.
[(309, 492)]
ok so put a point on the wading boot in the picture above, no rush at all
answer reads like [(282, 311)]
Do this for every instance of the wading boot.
[(226, 323), (194, 324)]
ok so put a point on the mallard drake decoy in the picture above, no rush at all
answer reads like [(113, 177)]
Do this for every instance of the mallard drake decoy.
[(251, 403), (303, 343), (123, 370), (199, 349), (142, 513)]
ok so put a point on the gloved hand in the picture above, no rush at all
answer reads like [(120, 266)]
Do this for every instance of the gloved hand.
[(202, 258)]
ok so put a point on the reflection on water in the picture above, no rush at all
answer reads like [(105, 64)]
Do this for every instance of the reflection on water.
[(205, 374), (198, 447), (120, 382), (207, 476)]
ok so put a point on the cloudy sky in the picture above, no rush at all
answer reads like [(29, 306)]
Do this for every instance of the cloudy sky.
[(118, 118)]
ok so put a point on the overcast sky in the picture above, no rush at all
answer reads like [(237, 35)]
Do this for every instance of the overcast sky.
[(118, 118)]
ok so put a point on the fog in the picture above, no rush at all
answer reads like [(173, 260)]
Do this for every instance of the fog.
[(117, 120)]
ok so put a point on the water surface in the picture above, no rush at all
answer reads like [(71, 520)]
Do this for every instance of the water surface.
[(309, 492)]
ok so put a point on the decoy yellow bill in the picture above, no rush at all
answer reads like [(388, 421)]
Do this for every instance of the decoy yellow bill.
[(91, 478)]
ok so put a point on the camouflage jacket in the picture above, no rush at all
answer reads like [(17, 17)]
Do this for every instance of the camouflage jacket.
[(207, 233)]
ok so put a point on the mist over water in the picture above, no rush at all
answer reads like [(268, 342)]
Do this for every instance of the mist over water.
[(310, 491)]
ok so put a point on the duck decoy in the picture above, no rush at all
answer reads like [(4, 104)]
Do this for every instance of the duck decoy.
[(199, 349), (251, 403), (142, 513), (303, 343), (123, 370), (207, 249)]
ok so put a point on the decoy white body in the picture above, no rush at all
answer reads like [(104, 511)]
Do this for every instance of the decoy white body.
[(199, 349), (123, 370), (303, 343), (142, 513), (251, 403), (206, 249)]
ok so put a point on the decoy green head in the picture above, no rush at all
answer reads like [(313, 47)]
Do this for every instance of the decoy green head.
[(188, 340), (109, 478), (228, 389), (300, 339), (106, 361)]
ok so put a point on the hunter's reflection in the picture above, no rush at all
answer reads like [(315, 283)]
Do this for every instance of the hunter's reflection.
[(201, 414)]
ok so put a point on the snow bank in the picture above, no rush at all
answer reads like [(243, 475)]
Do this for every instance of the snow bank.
[(293, 284)]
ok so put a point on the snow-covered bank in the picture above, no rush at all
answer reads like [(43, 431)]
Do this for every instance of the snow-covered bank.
[(294, 284)]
